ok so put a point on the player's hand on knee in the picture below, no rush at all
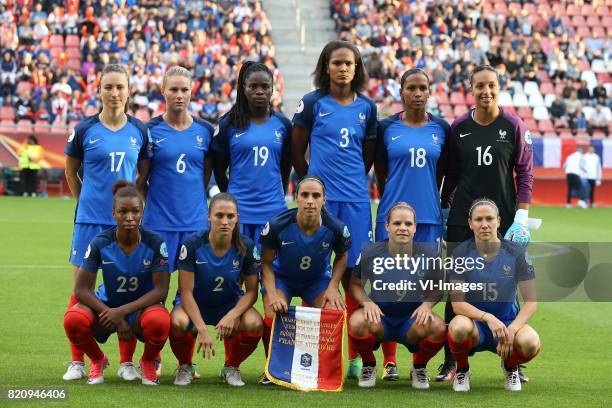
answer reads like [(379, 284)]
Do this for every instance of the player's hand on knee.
[(111, 318), (497, 327), (205, 344), (332, 299), (225, 327), (124, 331), (372, 312), (422, 315)]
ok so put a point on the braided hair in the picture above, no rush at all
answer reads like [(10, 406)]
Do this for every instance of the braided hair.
[(239, 114)]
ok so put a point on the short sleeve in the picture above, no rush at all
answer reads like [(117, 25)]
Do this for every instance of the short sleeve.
[(160, 257), (186, 258), (524, 266), (92, 259), (457, 273), (144, 152), (372, 125), (74, 145), (220, 140), (269, 237), (208, 131), (357, 272), (342, 239), (381, 148), (303, 116), (252, 260)]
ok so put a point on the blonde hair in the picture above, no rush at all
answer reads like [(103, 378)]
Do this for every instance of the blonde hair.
[(177, 71)]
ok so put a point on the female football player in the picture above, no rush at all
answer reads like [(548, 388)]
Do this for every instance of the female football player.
[(212, 266), (134, 263), (108, 146), (300, 242), (255, 143), (489, 148), (411, 150), (404, 316), (180, 163), (490, 319), (339, 125)]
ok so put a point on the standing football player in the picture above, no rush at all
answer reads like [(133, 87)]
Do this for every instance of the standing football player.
[(339, 125), (108, 147), (411, 150), (490, 156)]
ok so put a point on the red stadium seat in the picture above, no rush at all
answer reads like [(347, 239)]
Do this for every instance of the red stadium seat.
[(41, 127), (584, 31), (603, 10), (578, 21), (143, 114), (524, 113), (73, 64), (572, 10), (510, 109), (55, 51), (531, 125), (587, 10), (460, 110), (24, 128), (447, 110), (593, 21), (457, 98), (547, 88), (442, 98), (606, 21), (501, 8), (73, 41), (56, 40), (7, 127), (583, 65), (544, 6), (545, 126), (565, 133), (543, 75), (73, 53), (603, 77), (7, 113), (469, 99), (601, 31)]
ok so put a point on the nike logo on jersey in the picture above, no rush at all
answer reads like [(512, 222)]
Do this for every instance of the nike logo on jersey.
[(283, 243), (92, 141), (146, 262), (239, 134), (160, 140), (198, 262), (321, 114), (395, 137), (107, 262), (464, 134)]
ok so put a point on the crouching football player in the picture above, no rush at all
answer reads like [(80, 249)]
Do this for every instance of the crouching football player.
[(489, 319), (403, 315)]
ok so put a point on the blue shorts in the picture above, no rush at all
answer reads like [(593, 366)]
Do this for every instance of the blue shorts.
[(487, 342), (252, 231), (358, 219), (307, 291), (211, 315), (396, 329), (82, 236), (424, 232), (130, 319), (173, 240)]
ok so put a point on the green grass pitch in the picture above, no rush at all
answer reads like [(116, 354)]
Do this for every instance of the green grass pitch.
[(573, 368)]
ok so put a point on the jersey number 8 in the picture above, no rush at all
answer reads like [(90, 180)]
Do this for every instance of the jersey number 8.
[(305, 263), (126, 285)]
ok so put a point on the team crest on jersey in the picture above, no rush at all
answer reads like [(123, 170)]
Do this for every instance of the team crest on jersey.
[(528, 259), (507, 270), (236, 263), (86, 252), (362, 117), (266, 229), (256, 254), (325, 245), (300, 107), (345, 232), (183, 254), (528, 137), (163, 250), (216, 132), (199, 140), (278, 136), (146, 262), (434, 138), (71, 136)]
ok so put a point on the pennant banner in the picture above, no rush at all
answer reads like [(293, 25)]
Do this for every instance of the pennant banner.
[(306, 349)]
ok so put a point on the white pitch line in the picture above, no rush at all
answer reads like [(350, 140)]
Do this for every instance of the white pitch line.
[(66, 266)]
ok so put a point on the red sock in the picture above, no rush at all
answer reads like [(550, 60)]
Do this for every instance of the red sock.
[(78, 325), (389, 349), (77, 353), (460, 351), (351, 307), (517, 358), (427, 349), (155, 325), (243, 344), (365, 346), (267, 332), (126, 350), (182, 346), (227, 343)]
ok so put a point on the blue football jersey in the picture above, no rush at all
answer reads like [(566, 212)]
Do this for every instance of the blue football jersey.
[(299, 258), (412, 158), (337, 134), (125, 278), (500, 278), (176, 200), (217, 279), (106, 156), (402, 301), (255, 155)]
